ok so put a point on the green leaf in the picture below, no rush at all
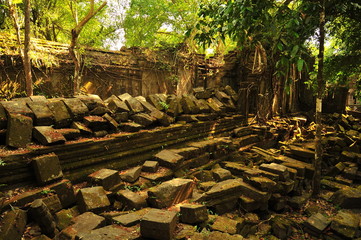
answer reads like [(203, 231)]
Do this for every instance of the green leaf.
[(17, 1), (294, 50), (300, 63), (280, 46)]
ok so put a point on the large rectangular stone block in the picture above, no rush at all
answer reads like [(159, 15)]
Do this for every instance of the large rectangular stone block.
[(158, 224), (19, 130), (47, 168)]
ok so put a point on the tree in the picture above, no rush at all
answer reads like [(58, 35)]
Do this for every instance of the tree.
[(26, 60), (75, 32), (159, 23), (316, 186)]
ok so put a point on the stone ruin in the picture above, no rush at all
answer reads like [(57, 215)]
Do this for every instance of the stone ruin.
[(206, 175), (57, 120)]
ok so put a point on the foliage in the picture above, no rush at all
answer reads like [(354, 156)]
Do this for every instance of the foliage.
[(281, 28), (53, 20), (159, 23)]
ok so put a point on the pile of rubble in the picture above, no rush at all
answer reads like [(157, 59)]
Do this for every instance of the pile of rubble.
[(211, 189), (54, 121)]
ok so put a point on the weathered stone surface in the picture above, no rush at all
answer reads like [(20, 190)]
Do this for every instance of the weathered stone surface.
[(277, 202), (188, 105), (53, 203), (205, 146), (187, 118), (143, 119), (100, 134), (95, 123), (131, 175), (150, 166), (242, 131), (169, 159), (317, 223), (163, 174), (155, 101), (47, 168), (65, 191), (309, 169), (131, 127), (185, 231), (19, 130), (107, 178), (41, 237), (193, 213), (99, 111), (230, 91), (3, 117), (69, 133), (63, 218), (301, 152), (281, 227), (111, 232), (61, 114), (202, 93), (347, 198), (226, 225), (221, 174), (76, 107), (346, 224), (215, 235), (187, 152), (131, 200), (134, 105), (81, 226), (121, 117), (222, 96), (297, 202), (43, 115), (111, 122), (278, 169), (124, 96), (130, 219), (175, 107), (262, 183), (170, 192), (18, 107), (92, 199), (162, 118), (13, 226), (213, 105), (158, 224), (205, 186), (117, 106), (41, 214), (47, 135), (148, 108), (92, 101), (84, 130)]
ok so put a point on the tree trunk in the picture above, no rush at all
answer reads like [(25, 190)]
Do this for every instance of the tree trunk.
[(75, 32), (26, 60), (320, 90)]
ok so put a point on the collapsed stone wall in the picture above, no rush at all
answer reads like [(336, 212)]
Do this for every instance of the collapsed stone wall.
[(124, 127)]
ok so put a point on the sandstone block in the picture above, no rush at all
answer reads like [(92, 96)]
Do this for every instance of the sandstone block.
[(61, 114), (76, 107), (92, 199), (131, 200), (47, 135), (168, 159), (19, 130), (43, 115), (107, 178), (158, 224), (170, 192), (193, 213), (47, 168)]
